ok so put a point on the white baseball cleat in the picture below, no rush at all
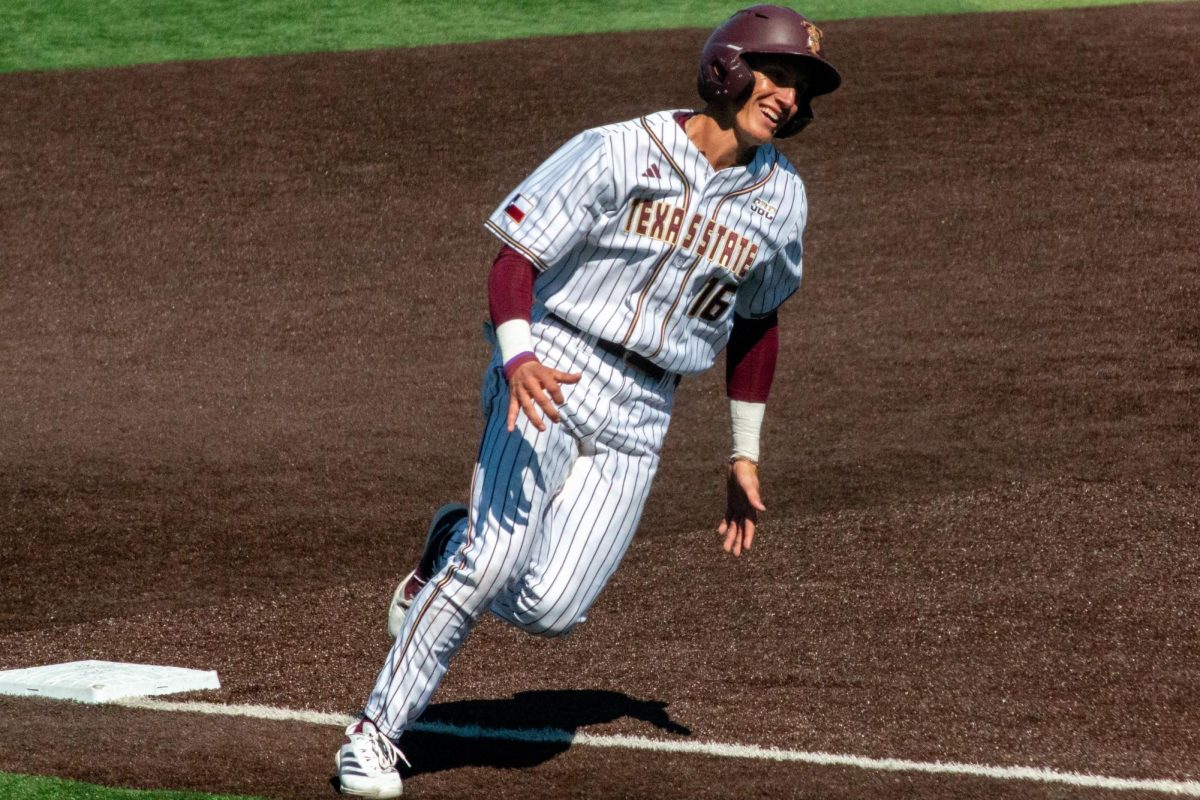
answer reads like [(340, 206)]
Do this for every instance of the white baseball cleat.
[(441, 529), (366, 763)]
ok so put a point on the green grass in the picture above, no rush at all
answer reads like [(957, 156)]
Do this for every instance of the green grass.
[(25, 787), (58, 34)]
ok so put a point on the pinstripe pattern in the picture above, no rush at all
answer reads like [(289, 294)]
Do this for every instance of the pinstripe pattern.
[(552, 514), (604, 277), (685, 203), (634, 234), (686, 282)]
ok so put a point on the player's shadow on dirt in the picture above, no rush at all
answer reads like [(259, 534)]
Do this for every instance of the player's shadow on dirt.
[(559, 712)]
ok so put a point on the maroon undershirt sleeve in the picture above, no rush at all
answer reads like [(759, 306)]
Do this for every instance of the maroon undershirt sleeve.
[(750, 358), (510, 286), (510, 296)]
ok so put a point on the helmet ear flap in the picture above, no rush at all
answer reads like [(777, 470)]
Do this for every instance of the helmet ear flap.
[(724, 77), (799, 121), (740, 79), (712, 78)]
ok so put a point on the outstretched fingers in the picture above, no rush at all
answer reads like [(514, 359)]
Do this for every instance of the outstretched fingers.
[(536, 391), (556, 378), (738, 533), (524, 399), (514, 408), (742, 506)]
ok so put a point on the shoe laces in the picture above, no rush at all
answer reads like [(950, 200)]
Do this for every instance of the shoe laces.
[(376, 750)]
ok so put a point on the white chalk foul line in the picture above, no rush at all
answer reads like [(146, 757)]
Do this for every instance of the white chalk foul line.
[(555, 736)]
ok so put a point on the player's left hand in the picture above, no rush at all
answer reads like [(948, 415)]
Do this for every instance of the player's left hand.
[(743, 502)]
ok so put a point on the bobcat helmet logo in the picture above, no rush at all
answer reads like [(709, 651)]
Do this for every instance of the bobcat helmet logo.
[(814, 38)]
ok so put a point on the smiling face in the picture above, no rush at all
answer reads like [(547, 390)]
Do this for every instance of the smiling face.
[(778, 84)]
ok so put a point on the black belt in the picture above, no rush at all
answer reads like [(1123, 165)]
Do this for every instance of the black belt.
[(635, 360)]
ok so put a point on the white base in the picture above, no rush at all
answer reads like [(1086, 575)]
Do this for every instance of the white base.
[(102, 681)]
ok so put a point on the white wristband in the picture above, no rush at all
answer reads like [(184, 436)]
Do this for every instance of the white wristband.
[(514, 337), (746, 420)]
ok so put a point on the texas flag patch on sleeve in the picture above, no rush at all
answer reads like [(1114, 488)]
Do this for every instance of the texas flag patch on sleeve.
[(518, 208)]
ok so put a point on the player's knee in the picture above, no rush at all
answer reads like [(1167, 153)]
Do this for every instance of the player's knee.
[(554, 623), (543, 609), (555, 630)]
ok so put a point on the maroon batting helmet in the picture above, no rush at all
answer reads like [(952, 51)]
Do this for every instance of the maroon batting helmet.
[(765, 30)]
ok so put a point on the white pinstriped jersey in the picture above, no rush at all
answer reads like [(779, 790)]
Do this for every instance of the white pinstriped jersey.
[(639, 241)]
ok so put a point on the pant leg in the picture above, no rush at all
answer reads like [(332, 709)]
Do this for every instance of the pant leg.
[(588, 527), (516, 475), (621, 422)]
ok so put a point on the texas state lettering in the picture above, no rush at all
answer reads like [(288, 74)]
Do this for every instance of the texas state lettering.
[(663, 221)]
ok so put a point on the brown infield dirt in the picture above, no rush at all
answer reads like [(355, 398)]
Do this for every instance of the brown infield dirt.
[(239, 345)]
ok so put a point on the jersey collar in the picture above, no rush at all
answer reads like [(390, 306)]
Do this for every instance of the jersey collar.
[(684, 151)]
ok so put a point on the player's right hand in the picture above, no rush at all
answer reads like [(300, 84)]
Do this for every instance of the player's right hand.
[(533, 385)]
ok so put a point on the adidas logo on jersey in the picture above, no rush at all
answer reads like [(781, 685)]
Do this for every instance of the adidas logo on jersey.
[(652, 172)]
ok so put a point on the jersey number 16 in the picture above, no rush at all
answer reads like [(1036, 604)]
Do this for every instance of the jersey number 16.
[(713, 300)]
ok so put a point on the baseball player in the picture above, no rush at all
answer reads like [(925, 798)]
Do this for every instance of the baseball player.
[(630, 258)]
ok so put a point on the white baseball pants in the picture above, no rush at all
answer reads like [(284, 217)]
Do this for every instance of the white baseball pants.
[(551, 515)]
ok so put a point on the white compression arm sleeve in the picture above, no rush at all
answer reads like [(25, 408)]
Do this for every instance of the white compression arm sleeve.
[(746, 420)]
